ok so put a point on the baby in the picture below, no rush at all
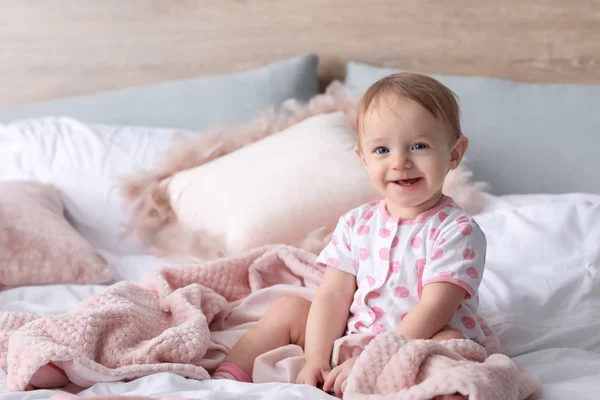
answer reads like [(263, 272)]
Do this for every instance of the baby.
[(410, 263)]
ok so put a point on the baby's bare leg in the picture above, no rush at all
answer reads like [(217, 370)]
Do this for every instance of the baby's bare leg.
[(447, 334), (283, 323)]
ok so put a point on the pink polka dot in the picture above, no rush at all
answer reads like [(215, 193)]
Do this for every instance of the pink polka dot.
[(351, 222), (359, 324), (363, 230), (396, 266), (403, 316), (384, 233), (401, 292), (374, 202), (446, 273), (374, 295), (465, 229), (378, 328), (468, 322), (370, 280), (460, 306), (472, 272), (358, 298), (363, 254), (396, 241), (349, 246), (372, 315), (334, 240), (436, 254), (434, 233), (384, 253), (378, 310), (469, 254), (416, 242), (355, 264), (333, 262), (442, 216), (368, 215), (420, 264), (462, 219)]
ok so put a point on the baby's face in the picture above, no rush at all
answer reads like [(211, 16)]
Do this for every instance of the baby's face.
[(407, 153)]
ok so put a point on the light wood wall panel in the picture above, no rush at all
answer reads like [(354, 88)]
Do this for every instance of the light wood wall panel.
[(57, 48)]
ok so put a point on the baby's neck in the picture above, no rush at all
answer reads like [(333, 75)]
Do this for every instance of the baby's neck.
[(413, 212)]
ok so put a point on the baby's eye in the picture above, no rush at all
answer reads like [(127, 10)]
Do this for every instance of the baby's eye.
[(420, 146), (381, 150)]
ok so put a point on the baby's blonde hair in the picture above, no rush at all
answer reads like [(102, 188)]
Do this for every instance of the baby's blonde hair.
[(436, 98)]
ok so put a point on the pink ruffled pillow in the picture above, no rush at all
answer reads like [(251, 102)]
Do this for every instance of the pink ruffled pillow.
[(37, 244), (284, 178)]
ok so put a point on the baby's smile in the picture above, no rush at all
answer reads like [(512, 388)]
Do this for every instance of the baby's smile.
[(411, 183)]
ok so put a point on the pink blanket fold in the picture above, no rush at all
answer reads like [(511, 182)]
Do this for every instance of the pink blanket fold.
[(129, 331), (394, 368), (185, 319)]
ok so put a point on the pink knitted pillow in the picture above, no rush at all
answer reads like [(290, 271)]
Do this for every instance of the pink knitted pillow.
[(37, 244)]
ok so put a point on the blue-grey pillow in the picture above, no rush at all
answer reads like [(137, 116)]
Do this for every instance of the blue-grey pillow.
[(193, 104), (524, 137)]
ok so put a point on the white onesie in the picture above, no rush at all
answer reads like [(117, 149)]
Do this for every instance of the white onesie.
[(394, 259)]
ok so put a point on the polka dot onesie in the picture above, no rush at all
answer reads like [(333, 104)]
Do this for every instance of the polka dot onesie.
[(394, 259)]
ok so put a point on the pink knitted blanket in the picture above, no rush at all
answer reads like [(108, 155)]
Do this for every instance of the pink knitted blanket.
[(185, 319), (393, 368), (171, 323)]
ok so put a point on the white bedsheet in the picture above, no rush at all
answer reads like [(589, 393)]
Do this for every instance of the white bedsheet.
[(544, 300), (566, 374)]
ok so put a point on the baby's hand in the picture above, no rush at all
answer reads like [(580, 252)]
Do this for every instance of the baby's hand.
[(338, 376), (313, 373)]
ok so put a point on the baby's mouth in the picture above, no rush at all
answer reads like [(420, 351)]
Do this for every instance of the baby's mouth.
[(407, 182)]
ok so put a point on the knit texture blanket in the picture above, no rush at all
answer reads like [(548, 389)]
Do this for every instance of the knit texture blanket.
[(184, 320), (394, 368)]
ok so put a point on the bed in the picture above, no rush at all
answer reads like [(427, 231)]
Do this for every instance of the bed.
[(97, 99)]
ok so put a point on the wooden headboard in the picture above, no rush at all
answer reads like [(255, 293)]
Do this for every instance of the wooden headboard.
[(59, 48)]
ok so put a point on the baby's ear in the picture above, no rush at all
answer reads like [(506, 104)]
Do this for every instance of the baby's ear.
[(458, 151), (360, 155)]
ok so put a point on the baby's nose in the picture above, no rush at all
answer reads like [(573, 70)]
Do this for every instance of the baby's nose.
[(401, 161)]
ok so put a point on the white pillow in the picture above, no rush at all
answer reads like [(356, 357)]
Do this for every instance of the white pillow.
[(285, 188), (276, 190), (541, 287), (85, 164)]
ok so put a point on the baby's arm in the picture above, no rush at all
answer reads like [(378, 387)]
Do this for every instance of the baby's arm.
[(452, 273), (328, 315), (439, 302)]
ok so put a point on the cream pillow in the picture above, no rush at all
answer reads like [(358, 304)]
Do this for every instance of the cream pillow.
[(37, 244), (285, 178), (276, 190)]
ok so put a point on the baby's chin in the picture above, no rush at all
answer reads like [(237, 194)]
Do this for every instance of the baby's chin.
[(410, 204), (406, 205)]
